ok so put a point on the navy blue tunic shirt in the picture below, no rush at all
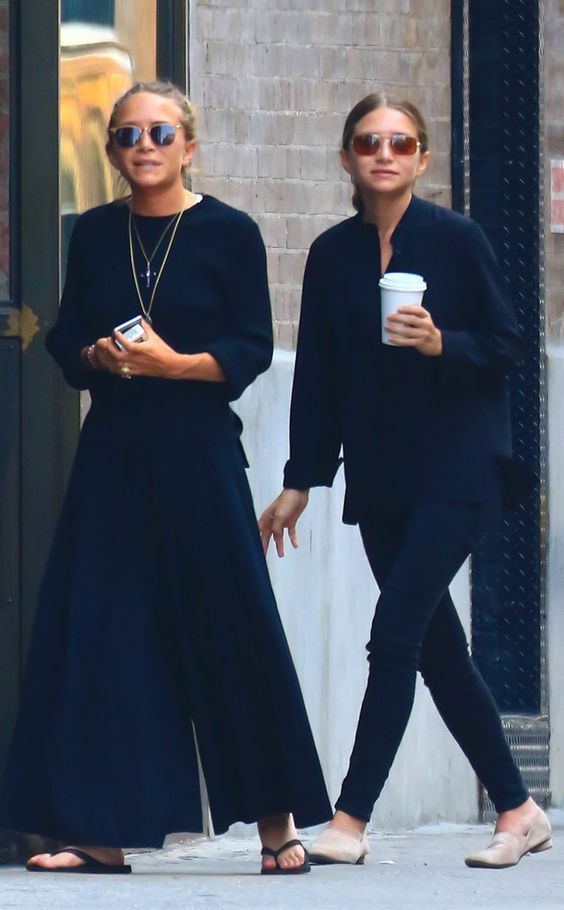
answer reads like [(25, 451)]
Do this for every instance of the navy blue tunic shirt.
[(410, 425), (212, 296)]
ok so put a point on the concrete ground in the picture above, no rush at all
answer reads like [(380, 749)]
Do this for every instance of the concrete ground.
[(414, 870)]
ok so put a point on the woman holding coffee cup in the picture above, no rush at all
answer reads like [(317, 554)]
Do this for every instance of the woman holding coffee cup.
[(423, 421)]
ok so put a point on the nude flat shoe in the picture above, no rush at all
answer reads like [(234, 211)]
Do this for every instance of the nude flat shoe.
[(334, 847), (506, 848)]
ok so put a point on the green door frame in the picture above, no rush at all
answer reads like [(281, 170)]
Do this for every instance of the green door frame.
[(39, 416), (173, 30), (50, 410)]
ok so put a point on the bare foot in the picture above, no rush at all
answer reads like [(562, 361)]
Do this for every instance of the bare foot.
[(110, 855), (518, 820), (275, 830), (347, 824)]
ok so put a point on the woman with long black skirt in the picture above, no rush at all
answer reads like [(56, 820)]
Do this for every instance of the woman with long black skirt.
[(424, 426), (157, 645)]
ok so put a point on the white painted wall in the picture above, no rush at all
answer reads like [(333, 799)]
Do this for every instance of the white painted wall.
[(326, 596)]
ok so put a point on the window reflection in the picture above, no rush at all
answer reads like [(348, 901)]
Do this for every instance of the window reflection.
[(101, 12), (105, 46)]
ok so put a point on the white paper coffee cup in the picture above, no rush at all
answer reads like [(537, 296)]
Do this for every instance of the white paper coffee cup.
[(398, 289)]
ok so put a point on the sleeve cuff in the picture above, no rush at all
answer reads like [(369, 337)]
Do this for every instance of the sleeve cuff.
[(296, 478), (454, 356), (238, 374)]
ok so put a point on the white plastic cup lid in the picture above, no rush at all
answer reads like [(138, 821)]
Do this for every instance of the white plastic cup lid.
[(403, 281)]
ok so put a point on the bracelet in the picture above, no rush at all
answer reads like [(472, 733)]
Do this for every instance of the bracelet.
[(89, 356)]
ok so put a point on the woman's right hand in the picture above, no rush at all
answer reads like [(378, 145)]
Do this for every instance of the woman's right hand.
[(109, 356), (282, 513)]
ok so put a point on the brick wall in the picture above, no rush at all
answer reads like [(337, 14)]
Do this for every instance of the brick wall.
[(4, 150), (274, 80), (554, 149)]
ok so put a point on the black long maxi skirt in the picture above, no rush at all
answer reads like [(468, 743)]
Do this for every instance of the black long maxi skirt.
[(157, 628)]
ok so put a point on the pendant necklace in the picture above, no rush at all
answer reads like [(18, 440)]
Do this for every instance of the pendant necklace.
[(147, 274), (174, 222)]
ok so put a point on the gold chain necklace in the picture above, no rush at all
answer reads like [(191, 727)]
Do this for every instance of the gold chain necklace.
[(149, 259), (175, 221)]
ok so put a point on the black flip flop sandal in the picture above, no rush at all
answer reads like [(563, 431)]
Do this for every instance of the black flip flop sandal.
[(89, 865), (297, 870)]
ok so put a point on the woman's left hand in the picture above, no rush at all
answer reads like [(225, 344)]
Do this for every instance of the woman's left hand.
[(412, 326), (152, 357)]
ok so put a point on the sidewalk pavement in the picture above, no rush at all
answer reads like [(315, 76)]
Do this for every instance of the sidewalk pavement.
[(415, 870)]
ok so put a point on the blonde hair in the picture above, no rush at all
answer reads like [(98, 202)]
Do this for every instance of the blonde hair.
[(164, 90)]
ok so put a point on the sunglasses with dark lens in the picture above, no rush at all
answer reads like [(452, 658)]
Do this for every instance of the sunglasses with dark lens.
[(370, 143), (161, 134)]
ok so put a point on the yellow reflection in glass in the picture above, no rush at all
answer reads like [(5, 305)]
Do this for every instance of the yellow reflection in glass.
[(98, 63)]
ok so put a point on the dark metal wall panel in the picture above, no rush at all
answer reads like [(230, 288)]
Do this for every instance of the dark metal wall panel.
[(496, 85), (504, 135)]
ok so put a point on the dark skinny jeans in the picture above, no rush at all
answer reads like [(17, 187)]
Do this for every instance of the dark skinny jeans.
[(414, 556)]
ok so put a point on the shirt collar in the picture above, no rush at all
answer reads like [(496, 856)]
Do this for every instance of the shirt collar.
[(412, 216)]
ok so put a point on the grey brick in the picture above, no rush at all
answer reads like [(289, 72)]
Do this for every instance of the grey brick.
[(286, 302), (273, 261), (272, 127), (235, 160), (313, 164), (286, 27), (292, 267), (419, 68), (227, 125), (285, 335), (301, 232), (436, 9), (316, 129), (226, 24), (226, 58), (273, 229), (272, 161)]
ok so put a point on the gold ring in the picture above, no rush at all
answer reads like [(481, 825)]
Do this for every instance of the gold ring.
[(125, 371)]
